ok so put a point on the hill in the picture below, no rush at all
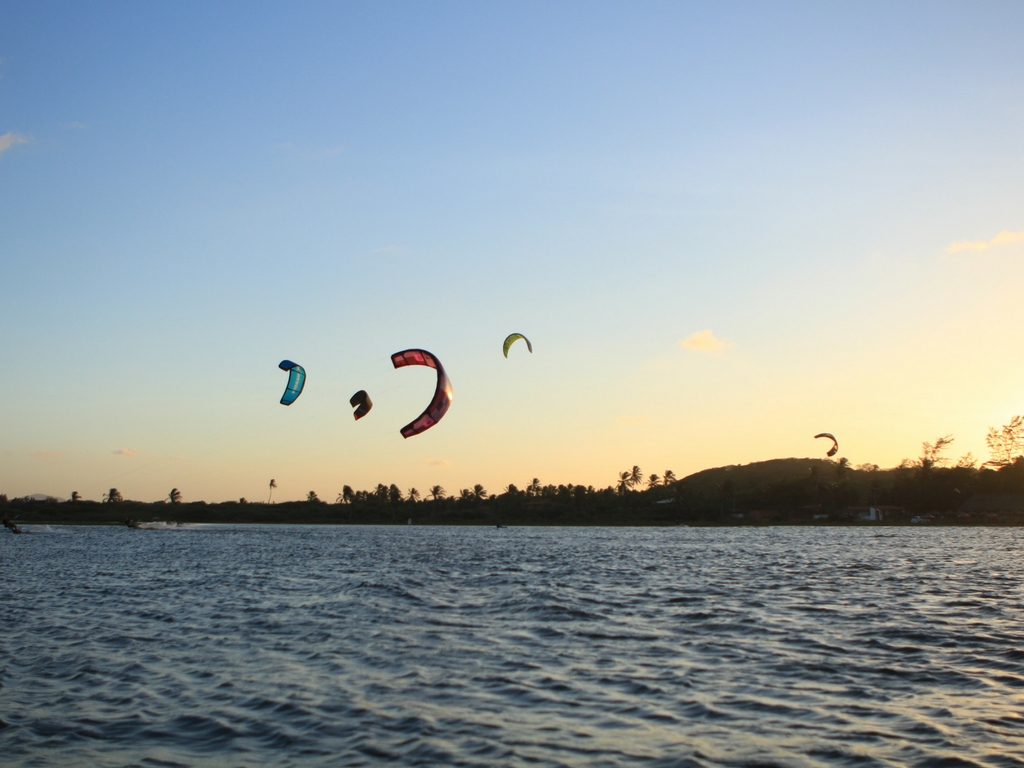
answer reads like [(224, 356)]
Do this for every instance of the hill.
[(791, 490)]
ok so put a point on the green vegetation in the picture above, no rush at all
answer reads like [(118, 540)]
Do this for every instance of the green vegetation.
[(931, 488)]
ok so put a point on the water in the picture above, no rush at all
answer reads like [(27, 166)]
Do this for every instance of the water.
[(325, 646)]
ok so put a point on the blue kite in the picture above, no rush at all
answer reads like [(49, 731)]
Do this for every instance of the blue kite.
[(296, 381)]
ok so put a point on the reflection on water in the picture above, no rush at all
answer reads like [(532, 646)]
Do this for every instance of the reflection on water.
[(544, 646)]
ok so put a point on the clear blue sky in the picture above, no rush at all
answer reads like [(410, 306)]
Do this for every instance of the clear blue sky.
[(190, 193)]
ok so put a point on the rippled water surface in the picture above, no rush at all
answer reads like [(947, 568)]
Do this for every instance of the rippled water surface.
[(308, 646)]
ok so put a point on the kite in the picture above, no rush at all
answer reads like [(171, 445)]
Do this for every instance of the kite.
[(835, 448), (512, 339), (443, 393), (296, 380), (362, 403)]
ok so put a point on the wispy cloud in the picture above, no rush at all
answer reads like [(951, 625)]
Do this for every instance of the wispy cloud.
[(705, 341), (127, 452), (1003, 238), (439, 463), (631, 419), (47, 454), (9, 140)]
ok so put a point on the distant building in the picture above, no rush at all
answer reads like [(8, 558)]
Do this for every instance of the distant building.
[(988, 504), (876, 514), (861, 513), (888, 513)]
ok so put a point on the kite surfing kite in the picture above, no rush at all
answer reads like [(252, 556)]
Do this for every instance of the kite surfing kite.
[(296, 380), (442, 392), (835, 448), (362, 403), (511, 339)]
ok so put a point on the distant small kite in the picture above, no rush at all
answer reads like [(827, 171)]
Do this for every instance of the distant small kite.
[(835, 448), (443, 393), (511, 339), (296, 381), (362, 403)]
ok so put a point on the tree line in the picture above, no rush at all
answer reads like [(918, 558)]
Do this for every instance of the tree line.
[(777, 490)]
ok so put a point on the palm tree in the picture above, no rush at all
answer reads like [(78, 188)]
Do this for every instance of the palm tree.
[(479, 493), (465, 495), (273, 485), (635, 477), (75, 496), (174, 496), (347, 496), (113, 496), (533, 489), (312, 498), (623, 484), (436, 493), (668, 478), (652, 482), (842, 467), (394, 497), (413, 495)]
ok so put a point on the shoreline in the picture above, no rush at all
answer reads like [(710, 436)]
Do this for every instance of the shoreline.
[(185, 523)]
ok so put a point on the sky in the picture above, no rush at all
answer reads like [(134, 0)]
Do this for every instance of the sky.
[(725, 227)]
